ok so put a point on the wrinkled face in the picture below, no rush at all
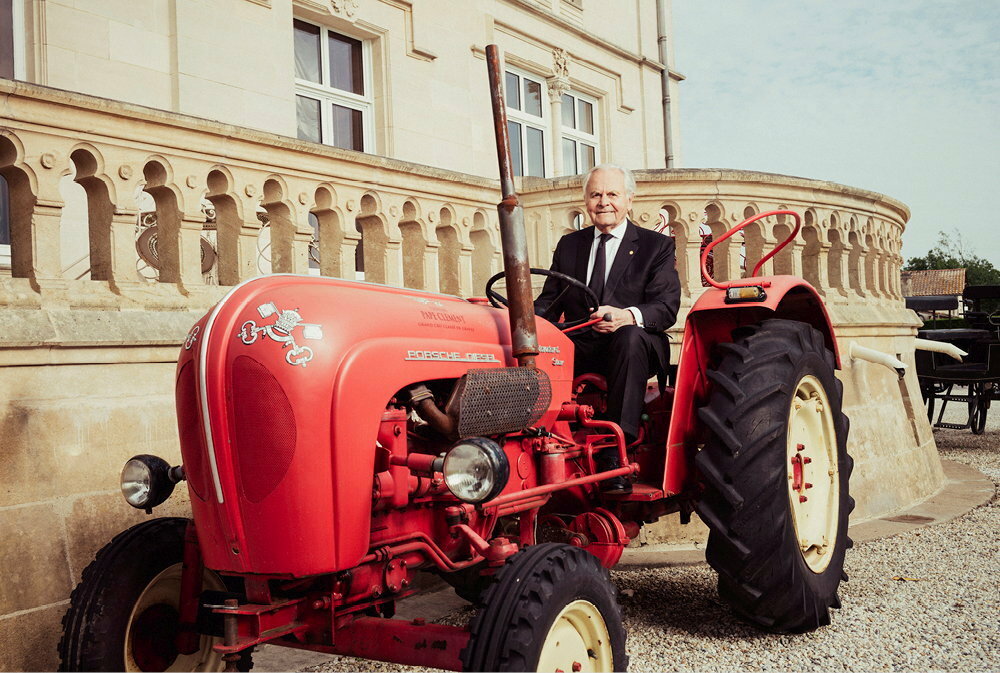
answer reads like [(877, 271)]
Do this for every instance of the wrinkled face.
[(606, 199)]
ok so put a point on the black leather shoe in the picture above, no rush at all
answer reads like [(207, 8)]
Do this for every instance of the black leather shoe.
[(615, 485)]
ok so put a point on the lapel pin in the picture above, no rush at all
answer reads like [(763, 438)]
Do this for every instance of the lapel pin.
[(631, 252)]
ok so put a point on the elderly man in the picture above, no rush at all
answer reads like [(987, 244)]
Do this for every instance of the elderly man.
[(632, 271)]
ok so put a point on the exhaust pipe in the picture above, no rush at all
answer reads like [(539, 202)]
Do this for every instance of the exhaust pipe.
[(513, 240)]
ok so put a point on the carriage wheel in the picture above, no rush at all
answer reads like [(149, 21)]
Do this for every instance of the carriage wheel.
[(978, 406)]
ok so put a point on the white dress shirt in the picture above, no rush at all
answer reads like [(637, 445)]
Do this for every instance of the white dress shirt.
[(610, 250)]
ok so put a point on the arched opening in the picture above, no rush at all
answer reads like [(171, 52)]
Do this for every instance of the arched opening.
[(4, 226), (158, 243), (854, 268), (282, 227), (670, 224), (228, 226), (483, 253), (783, 265), (18, 207), (329, 234), (99, 214), (752, 249), (449, 268), (369, 257), (811, 251), (414, 247), (74, 230), (871, 265), (718, 259)]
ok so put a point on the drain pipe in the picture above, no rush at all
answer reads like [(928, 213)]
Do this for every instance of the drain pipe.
[(858, 352), (662, 36), (939, 347)]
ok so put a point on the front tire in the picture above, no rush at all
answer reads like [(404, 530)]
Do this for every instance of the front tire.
[(552, 607), (123, 614), (776, 472)]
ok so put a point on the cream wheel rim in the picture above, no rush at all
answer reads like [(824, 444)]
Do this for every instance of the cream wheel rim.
[(578, 640), (165, 589), (813, 480)]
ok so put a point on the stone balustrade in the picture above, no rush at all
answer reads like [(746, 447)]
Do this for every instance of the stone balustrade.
[(278, 204)]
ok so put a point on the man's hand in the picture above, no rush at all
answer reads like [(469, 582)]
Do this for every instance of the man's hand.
[(619, 318)]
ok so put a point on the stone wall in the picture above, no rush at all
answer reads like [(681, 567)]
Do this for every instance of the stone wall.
[(87, 371)]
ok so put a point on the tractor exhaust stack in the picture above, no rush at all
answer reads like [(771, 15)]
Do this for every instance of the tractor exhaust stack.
[(513, 240)]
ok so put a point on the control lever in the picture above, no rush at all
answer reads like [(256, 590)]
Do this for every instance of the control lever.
[(606, 318)]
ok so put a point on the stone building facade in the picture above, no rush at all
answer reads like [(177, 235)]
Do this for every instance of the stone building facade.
[(155, 154)]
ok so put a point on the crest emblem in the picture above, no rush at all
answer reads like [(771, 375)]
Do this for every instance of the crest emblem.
[(191, 337), (282, 330)]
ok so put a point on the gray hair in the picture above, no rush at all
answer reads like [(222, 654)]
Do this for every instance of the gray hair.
[(626, 173)]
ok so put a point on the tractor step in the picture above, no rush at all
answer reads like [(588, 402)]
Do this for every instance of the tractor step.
[(955, 398), (640, 493), (952, 426)]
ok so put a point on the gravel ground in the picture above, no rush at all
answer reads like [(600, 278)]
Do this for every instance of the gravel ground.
[(944, 617)]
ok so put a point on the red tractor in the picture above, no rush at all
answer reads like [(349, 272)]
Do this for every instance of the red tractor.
[(341, 438)]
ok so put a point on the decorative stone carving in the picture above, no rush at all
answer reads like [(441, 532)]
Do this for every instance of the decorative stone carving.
[(191, 181), (250, 190), (559, 82), (560, 63), (125, 172), (48, 160), (557, 87), (346, 7), (303, 198)]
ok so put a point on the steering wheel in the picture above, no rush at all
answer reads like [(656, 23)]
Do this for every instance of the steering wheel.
[(994, 318), (593, 303)]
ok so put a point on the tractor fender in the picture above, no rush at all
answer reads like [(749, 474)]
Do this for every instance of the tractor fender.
[(711, 321)]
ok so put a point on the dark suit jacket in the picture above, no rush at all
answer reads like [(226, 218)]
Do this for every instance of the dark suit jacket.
[(643, 275)]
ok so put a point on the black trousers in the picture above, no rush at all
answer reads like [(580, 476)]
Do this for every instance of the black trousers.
[(626, 358)]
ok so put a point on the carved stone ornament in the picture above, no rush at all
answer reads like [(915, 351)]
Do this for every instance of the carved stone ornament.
[(560, 63), (346, 7), (48, 160), (125, 172), (557, 87)]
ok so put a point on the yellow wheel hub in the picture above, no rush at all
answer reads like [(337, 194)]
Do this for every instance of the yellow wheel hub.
[(161, 600), (578, 640), (813, 481)]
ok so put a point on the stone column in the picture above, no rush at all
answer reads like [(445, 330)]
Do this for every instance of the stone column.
[(557, 86)]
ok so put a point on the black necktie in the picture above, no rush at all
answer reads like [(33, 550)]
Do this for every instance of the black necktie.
[(597, 275)]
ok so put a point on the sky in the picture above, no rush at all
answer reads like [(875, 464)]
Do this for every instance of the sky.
[(900, 97)]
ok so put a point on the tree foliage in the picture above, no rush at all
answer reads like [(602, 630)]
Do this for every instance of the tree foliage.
[(952, 252)]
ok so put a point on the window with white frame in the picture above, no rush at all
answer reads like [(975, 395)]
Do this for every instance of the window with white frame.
[(4, 224), (578, 133), (333, 89), (526, 123), (12, 39)]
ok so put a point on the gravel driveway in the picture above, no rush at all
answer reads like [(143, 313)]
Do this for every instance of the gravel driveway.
[(945, 616)]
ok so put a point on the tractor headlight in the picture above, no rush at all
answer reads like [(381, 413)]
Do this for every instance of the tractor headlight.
[(476, 469), (147, 481)]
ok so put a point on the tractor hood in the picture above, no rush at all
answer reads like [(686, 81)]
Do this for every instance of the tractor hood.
[(280, 391)]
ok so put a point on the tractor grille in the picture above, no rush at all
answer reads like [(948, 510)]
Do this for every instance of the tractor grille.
[(507, 399), (189, 428), (264, 428)]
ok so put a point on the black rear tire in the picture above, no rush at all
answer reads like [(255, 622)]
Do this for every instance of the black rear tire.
[(551, 605), (122, 615), (780, 561)]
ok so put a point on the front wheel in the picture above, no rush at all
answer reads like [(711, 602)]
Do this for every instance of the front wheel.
[(776, 472), (552, 607), (123, 616)]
